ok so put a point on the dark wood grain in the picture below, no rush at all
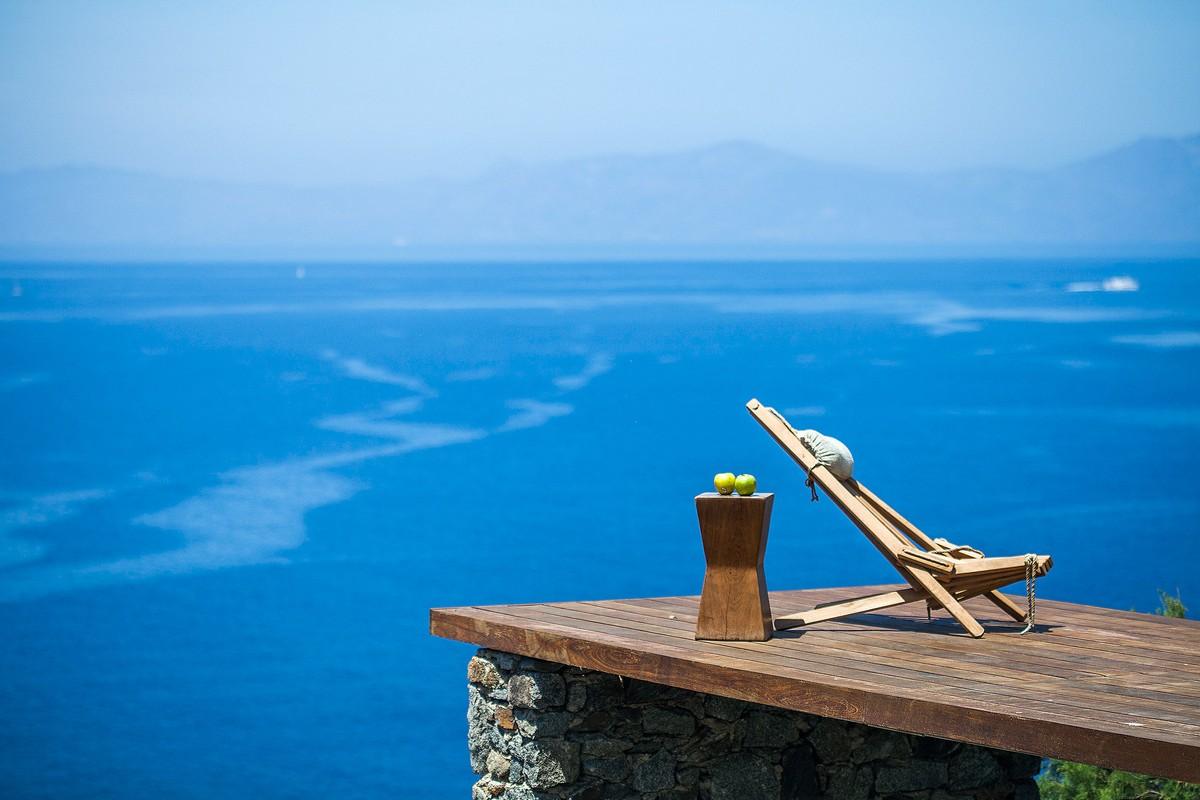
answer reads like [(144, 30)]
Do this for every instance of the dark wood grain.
[(1113, 688), (734, 605)]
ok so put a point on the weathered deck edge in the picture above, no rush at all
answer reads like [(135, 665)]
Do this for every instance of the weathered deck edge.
[(944, 720)]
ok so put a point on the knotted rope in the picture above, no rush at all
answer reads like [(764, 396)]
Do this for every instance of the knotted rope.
[(810, 483), (808, 476), (1030, 585)]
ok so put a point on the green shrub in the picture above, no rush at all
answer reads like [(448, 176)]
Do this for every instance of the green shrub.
[(1172, 606), (1066, 780)]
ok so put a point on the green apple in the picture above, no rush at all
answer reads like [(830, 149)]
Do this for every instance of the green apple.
[(724, 482), (745, 484)]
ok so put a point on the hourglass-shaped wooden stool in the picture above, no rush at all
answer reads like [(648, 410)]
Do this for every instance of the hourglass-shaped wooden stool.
[(734, 604)]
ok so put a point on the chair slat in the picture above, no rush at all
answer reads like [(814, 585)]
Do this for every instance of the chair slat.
[(917, 535), (998, 564), (858, 605), (931, 561)]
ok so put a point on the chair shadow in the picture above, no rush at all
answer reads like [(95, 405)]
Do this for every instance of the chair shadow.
[(940, 625)]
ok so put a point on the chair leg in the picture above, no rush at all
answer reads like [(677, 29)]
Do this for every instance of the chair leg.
[(947, 601), (993, 594), (846, 608), (990, 590)]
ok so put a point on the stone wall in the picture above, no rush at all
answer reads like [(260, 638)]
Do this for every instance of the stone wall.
[(541, 731)]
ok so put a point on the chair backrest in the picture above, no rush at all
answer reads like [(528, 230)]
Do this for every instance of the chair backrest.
[(893, 517), (887, 530)]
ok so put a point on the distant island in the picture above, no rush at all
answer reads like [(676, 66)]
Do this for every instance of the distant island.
[(736, 194)]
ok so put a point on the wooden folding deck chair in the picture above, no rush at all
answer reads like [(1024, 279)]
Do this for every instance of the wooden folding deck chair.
[(939, 573)]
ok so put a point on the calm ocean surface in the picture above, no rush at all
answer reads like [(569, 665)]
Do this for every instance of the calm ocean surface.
[(230, 493)]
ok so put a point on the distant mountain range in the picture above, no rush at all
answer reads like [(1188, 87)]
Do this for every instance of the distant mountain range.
[(735, 194)]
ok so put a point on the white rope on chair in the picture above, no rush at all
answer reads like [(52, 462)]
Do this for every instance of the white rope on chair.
[(1030, 586)]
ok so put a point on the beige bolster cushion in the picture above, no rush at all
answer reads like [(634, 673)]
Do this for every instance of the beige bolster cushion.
[(831, 452)]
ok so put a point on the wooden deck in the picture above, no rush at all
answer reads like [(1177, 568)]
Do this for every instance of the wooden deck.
[(1105, 687)]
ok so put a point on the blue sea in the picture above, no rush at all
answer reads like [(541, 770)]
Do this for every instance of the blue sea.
[(229, 493)]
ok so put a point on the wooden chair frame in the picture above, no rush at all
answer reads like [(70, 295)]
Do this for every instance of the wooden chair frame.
[(938, 572)]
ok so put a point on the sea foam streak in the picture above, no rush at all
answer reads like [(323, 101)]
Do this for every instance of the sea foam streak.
[(256, 514), (365, 371), (931, 311), (1166, 340), (597, 364), (532, 414), (37, 511)]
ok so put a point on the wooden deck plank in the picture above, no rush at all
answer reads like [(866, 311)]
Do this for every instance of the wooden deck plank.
[(961, 681), (1117, 689), (1095, 631), (1066, 643), (1063, 645), (1034, 654), (1036, 665), (997, 679)]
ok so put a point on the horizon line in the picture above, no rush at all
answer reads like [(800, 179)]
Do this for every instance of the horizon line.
[(611, 253), (499, 164)]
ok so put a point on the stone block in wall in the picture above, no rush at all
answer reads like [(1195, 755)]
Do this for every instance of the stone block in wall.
[(737, 776), (911, 776), (655, 773), (538, 689), (770, 730), (668, 722), (544, 731)]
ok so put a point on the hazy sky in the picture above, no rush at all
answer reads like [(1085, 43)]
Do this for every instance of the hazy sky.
[(348, 91)]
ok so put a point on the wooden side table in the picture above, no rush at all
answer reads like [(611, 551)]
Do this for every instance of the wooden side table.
[(734, 604)]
